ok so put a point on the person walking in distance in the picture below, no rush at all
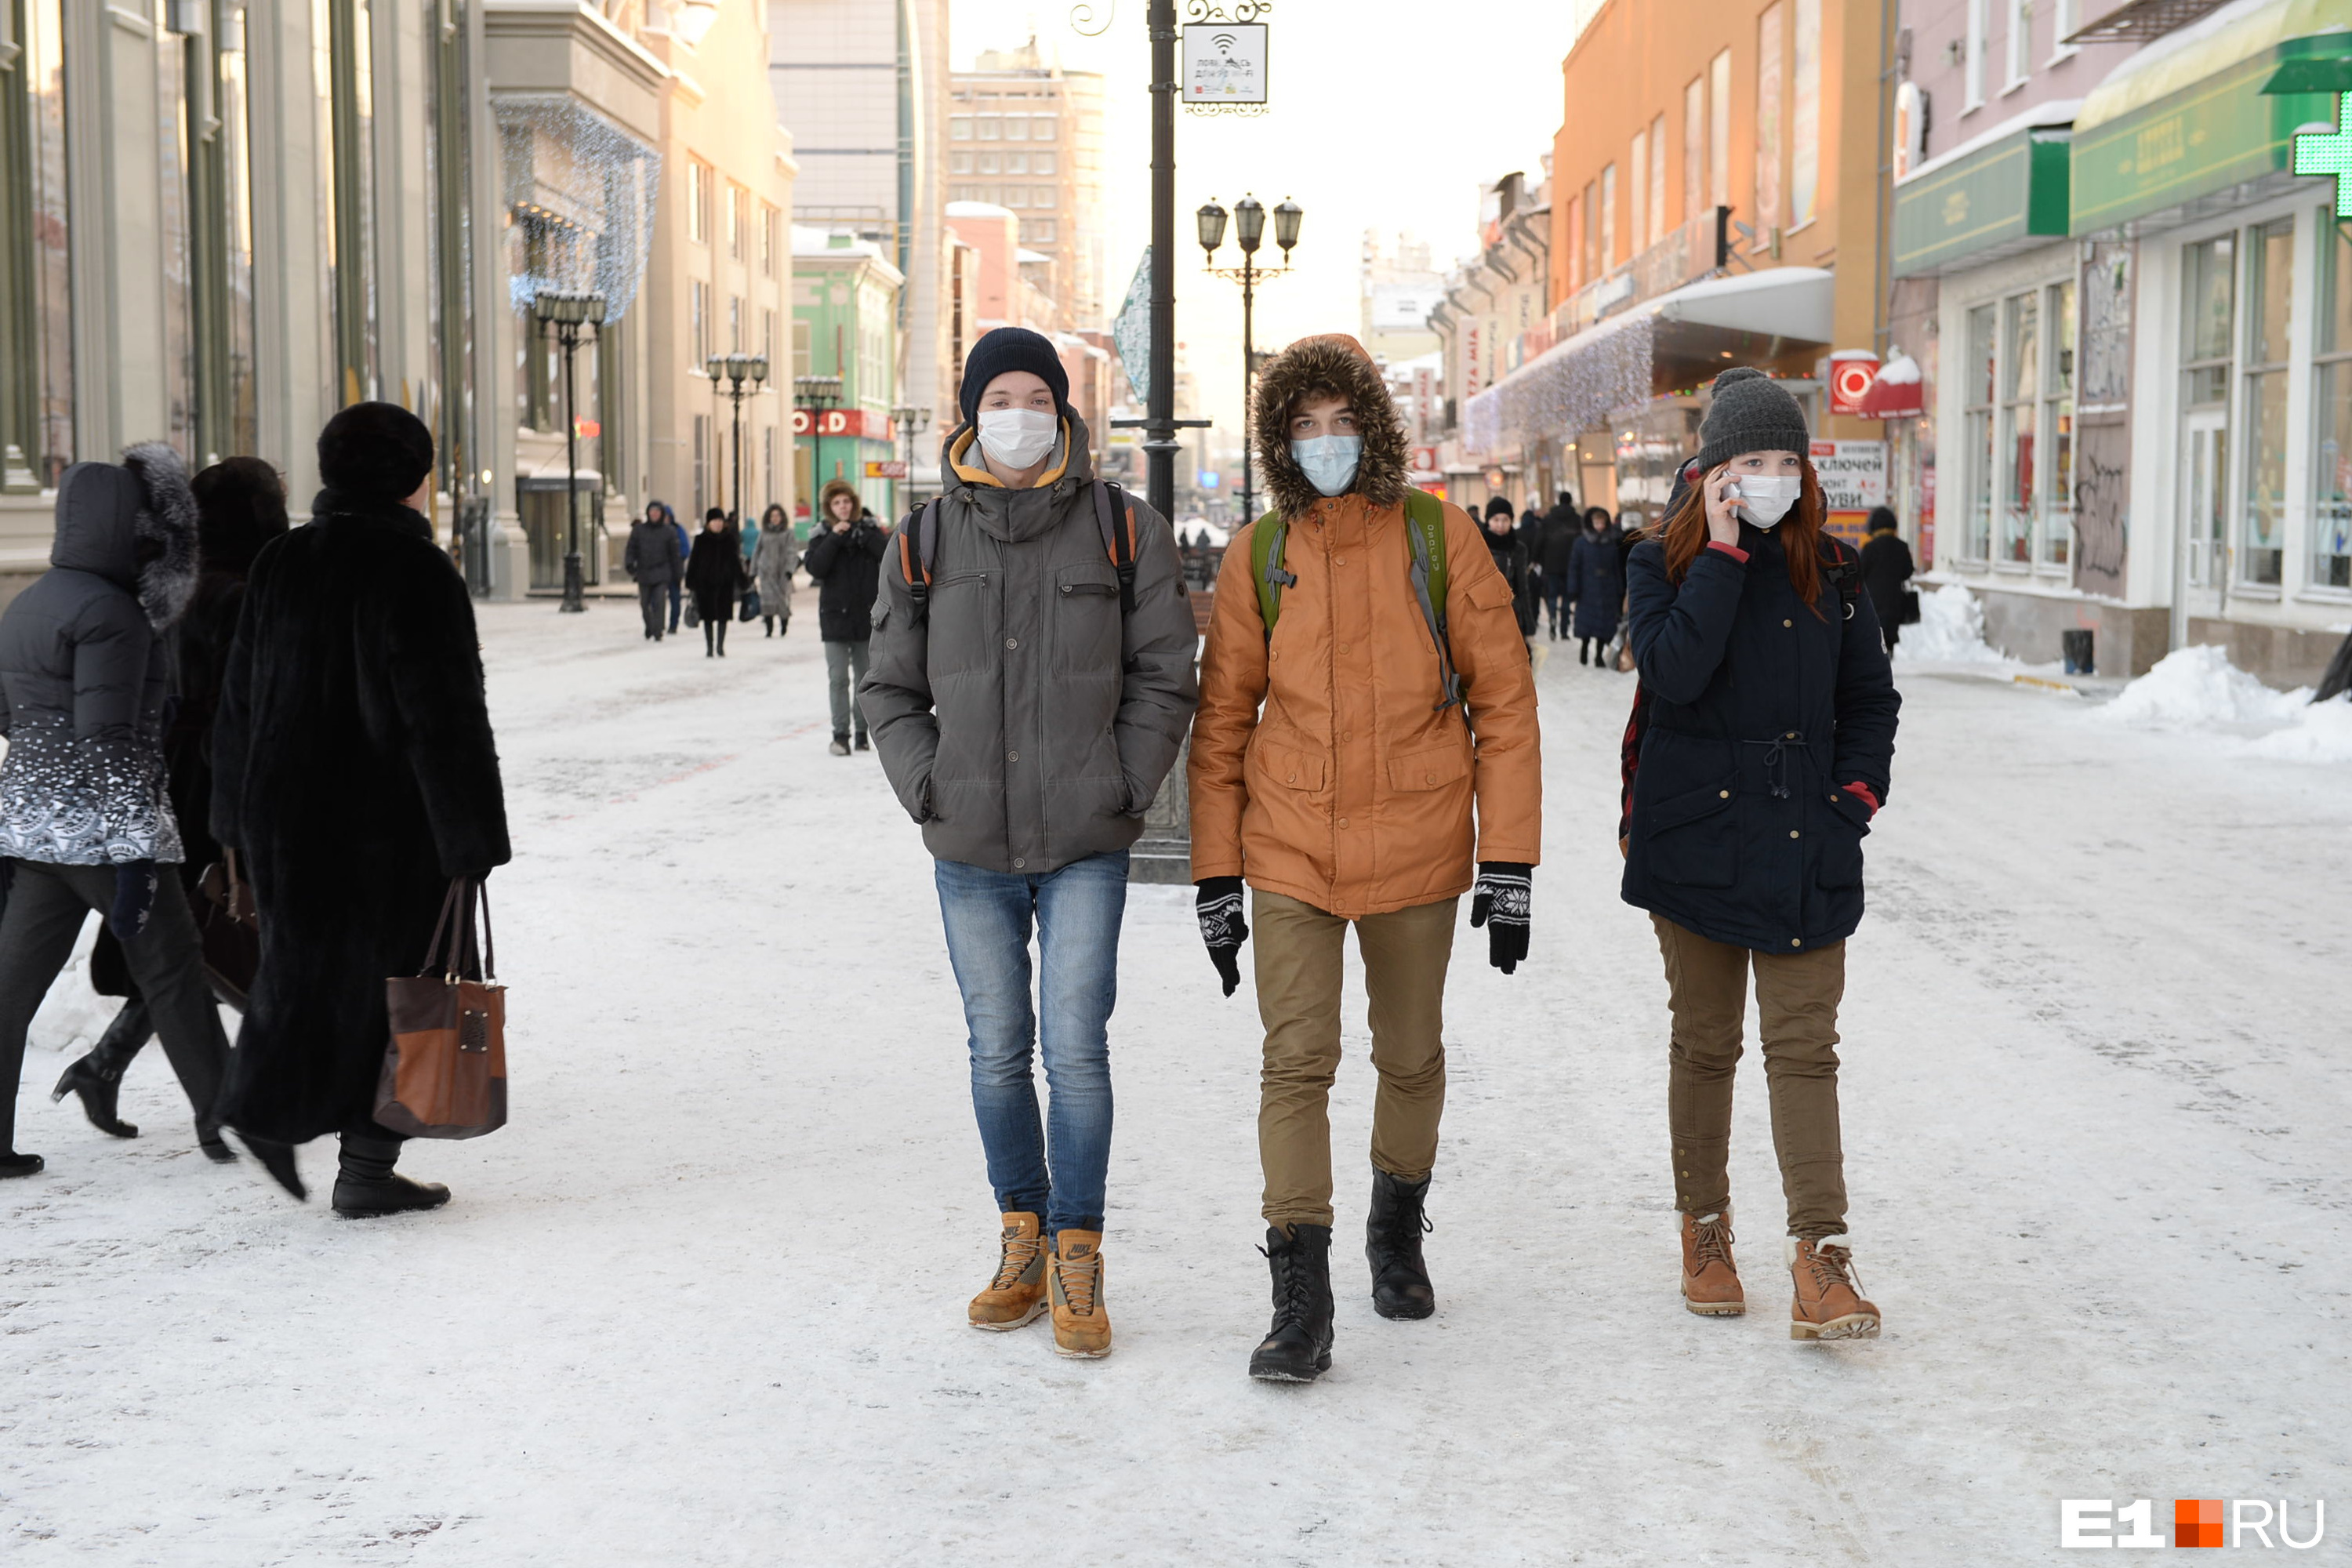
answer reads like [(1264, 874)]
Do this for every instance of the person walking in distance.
[(1886, 571), (715, 576), (1507, 547), (844, 562), (1032, 683), (655, 563), (1365, 687), (1559, 532), (354, 773), (685, 548), (1596, 577), (86, 820), (773, 561), (1761, 749), (240, 507)]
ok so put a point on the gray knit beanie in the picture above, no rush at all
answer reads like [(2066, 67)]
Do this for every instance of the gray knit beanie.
[(1751, 413)]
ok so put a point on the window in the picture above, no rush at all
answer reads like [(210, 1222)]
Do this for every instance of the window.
[(1573, 225), (737, 200), (1640, 165), (803, 349), (698, 330), (1042, 127), (1042, 196), (1694, 148), (1041, 162), (768, 337), (991, 127), (2020, 378), (1037, 231), (1016, 127), (959, 127), (1805, 115), (2269, 280), (697, 202), (959, 162), (1719, 131), (1016, 163), (2062, 22), (1657, 228), (767, 240), (1014, 196), (2057, 509), (991, 162), (1592, 239), (1972, 59), (1768, 119), (1609, 216), (2020, 61), (734, 323), (2331, 516), (1976, 543), (701, 467), (2208, 279)]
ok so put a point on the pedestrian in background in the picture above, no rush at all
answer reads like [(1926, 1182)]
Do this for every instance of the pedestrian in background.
[(1887, 571), (715, 575), (1360, 755), (1559, 532), (1028, 703), (844, 562), (1596, 576), (773, 561), (656, 565), (1766, 738), (86, 818), (685, 547), (1507, 546), (355, 774), (240, 507)]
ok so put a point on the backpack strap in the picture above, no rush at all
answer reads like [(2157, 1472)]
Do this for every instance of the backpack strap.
[(1265, 567), (1424, 531), (919, 551), (1119, 542), (1842, 566)]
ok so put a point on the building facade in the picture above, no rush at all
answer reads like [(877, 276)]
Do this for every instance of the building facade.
[(845, 297), (1027, 136)]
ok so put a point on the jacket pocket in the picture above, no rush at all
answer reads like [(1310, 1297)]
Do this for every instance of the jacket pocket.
[(1087, 618), (1693, 838), (1287, 767), (1846, 826), (1432, 768), (962, 615)]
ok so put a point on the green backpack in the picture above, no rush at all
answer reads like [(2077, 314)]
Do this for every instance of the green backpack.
[(1425, 532)]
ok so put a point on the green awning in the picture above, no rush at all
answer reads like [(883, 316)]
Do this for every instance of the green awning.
[(1997, 199), (2198, 118)]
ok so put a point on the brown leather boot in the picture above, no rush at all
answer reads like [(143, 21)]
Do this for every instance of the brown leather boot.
[(1017, 1294), (1710, 1280), (1081, 1324), (1828, 1303)]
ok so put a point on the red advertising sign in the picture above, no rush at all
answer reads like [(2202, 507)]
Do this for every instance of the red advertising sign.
[(1851, 373), (896, 468), (853, 422)]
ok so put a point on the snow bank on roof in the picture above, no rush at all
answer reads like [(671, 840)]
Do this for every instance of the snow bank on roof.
[(2198, 690)]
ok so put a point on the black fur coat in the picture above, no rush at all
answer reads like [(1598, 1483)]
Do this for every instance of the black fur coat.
[(354, 770)]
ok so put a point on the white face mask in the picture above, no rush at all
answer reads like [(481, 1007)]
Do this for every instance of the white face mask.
[(1019, 437), (1329, 461), (1764, 498)]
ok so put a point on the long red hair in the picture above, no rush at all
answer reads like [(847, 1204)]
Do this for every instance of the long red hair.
[(1683, 531)]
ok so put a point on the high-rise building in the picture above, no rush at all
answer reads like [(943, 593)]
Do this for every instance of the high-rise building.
[(1027, 136), (1400, 289)]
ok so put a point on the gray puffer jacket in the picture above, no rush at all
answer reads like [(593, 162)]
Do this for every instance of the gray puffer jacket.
[(84, 673), (1024, 723)]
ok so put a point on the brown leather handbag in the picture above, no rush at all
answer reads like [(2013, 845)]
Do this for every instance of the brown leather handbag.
[(230, 931), (444, 1070)]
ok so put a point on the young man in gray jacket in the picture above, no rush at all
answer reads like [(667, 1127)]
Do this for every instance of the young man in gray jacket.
[(1031, 685)]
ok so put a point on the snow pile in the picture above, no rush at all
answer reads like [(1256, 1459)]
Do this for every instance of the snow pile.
[(2320, 732), (1950, 630), (73, 1014), (2194, 687)]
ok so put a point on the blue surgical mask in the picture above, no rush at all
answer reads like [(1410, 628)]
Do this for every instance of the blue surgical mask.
[(1329, 461)]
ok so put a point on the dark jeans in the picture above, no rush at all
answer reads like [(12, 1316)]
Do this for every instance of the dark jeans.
[(677, 599), (1555, 598), (649, 601), (46, 908), (845, 668), (714, 634)]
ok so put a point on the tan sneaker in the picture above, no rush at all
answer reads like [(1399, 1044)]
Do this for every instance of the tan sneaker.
[(1710, 1280), (1081, 1324), (1017, 1294), (1828, 1303)]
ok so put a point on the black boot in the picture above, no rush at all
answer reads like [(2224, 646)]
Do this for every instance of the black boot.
[(1298, 1349), (278, 1159), (366, 1184), (216, 1147), (1393, 1233), (97, 1077), (15, 1165)]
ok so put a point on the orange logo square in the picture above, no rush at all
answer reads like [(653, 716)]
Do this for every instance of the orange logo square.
[(2197, 1521)]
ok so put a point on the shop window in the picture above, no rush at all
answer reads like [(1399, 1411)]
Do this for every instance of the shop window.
[(2270, 281), (2331, 512), (2021, 385), (2208, 307), (1976, 544), (2057, 510)]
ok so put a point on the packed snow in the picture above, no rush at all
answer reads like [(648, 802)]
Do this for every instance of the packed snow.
[(702, 1302), (1950, 631), (2198, 690)]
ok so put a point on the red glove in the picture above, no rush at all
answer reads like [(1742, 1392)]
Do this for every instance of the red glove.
[(1860, 792)]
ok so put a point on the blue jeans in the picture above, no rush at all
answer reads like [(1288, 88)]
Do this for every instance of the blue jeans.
[(1055, 1168)]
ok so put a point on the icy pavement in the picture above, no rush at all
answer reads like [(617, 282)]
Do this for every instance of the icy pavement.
[(702, 1303)]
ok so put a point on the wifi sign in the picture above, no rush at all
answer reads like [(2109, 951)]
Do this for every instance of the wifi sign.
[(1225, 63)]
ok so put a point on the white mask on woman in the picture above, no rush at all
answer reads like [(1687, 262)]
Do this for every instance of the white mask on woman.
[(1764, 498), (1019, 437)]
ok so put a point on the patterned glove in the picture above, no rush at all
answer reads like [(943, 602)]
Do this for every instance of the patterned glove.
[(1223, 927), (134, 899), (1499, 902)]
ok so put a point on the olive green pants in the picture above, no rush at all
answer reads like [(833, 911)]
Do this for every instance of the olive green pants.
[(1300, 953), (1797, 997)]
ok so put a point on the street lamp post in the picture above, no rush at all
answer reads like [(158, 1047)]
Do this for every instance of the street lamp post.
[(737, 369), (567, 313), (814, 395), (1249, 233), (910, 421)]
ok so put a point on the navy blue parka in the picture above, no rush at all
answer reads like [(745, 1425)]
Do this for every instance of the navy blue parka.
[(1759, 712)]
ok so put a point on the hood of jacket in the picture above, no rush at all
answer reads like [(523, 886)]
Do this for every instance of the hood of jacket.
[(1333, 365), (135, 525), (1014, 516)]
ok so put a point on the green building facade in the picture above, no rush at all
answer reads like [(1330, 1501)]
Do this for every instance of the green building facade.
[(844, 371)]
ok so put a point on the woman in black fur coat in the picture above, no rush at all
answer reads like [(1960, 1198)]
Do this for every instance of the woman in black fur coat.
[(355, 771), (715, 576)]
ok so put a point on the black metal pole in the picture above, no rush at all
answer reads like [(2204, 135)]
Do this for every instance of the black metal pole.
[(1249, 380), (1159, 427), (574, 590), (735, 434)]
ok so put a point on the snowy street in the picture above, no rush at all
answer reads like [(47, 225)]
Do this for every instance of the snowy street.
[(703, 1301)]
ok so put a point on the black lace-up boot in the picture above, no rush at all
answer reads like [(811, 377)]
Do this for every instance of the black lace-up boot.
[(1298, 1349), (1393, 1233)]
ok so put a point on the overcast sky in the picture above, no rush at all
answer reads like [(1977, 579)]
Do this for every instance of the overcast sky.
[(1383, 114)]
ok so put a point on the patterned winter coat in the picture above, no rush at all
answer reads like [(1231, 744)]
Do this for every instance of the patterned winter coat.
[(84, 671), (773, 561)]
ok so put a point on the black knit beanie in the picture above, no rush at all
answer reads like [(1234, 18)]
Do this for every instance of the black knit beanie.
[(1007, 349), (1751, 413), (375, 451), (1496, 505)]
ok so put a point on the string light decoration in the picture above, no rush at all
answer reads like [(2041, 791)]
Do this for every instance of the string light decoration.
[(583, 192), (1568, 389)]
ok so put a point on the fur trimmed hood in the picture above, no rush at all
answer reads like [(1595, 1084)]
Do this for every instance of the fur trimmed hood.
[(136, 526), (1331, 365)]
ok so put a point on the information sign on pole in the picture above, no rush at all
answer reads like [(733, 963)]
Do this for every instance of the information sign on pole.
[(1225, 63)]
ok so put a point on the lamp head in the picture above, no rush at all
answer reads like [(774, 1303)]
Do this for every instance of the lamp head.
[(1211, 222), (739, 369), (759, 369), (593, 309), (1249, 223), (714, 367), (1286, 224)]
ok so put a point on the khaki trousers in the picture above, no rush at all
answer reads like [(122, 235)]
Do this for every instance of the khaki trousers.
[(1797, 997), (1299, 966)]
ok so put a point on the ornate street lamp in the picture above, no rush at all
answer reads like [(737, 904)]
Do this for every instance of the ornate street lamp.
[(737, 370), (568, 313), (1249, 232)]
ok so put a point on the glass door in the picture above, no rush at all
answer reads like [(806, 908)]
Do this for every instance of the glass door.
[(2204, 515)]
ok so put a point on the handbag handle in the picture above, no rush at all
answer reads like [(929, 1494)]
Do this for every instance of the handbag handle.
[(459, 900), (433, 948)]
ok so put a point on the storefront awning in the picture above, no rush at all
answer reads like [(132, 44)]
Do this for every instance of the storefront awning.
[(2187, 117), (1679, 339), (2002, 193)]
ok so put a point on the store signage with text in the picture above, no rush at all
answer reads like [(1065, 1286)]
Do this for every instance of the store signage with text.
[(1854, 479), (856, 422)]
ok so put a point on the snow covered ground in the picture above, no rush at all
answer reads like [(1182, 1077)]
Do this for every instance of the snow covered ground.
[(702, 1303)]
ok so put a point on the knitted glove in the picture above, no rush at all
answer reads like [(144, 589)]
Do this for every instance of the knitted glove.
[(1219, 906), (1499, 902), (134, 899)]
